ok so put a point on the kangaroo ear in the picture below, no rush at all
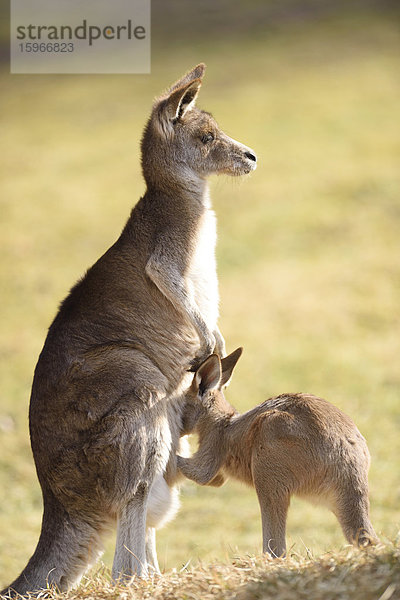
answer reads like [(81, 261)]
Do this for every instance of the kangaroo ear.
[(196, 73), (178, 100), (176, 104), (228, 364), (183, 99), (208, 375)]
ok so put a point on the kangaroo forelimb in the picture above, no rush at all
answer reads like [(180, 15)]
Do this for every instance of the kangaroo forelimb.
[(172, 284), (200, 469)]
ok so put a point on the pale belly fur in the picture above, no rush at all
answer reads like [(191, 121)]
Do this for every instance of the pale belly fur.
[(202, 274)]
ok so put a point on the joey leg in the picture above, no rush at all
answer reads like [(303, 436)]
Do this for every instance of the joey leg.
[(274, 508)]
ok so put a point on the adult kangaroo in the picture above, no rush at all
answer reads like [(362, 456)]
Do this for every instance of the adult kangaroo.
[(120, 345)]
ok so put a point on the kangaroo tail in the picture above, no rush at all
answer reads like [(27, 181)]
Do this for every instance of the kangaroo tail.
[(353, 515), (66, 548)]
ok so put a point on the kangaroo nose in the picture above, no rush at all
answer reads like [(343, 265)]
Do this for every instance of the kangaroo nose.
[(251, 156)]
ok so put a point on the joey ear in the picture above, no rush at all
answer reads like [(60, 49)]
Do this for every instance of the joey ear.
[(228, 364), (208, 375)]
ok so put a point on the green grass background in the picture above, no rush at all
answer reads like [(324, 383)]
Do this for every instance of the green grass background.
[(308, 251)]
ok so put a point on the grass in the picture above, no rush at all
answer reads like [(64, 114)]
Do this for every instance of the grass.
[(350, 574), (308, 261)]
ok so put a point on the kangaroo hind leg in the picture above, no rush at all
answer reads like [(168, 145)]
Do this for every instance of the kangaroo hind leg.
[(274, 504), (130, 549)]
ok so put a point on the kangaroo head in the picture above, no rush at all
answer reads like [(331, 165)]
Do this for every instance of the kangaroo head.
[(181, 142), (205, 395)]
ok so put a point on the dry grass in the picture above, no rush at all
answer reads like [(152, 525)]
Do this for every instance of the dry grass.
[(350, 574)]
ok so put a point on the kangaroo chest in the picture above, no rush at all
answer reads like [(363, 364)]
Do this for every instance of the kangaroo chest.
[(202, 272)]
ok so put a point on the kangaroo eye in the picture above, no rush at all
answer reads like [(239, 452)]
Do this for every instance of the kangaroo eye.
[(207, 137)]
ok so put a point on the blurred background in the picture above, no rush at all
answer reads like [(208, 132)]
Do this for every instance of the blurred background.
[(308, 251)]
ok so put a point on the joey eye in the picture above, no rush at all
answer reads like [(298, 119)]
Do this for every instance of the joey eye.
[(207, 137)]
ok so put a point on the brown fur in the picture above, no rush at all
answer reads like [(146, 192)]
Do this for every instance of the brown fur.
[(292, 444), (120, 346)]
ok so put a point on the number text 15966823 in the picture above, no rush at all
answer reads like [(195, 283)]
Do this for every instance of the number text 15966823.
[(46, 47)]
